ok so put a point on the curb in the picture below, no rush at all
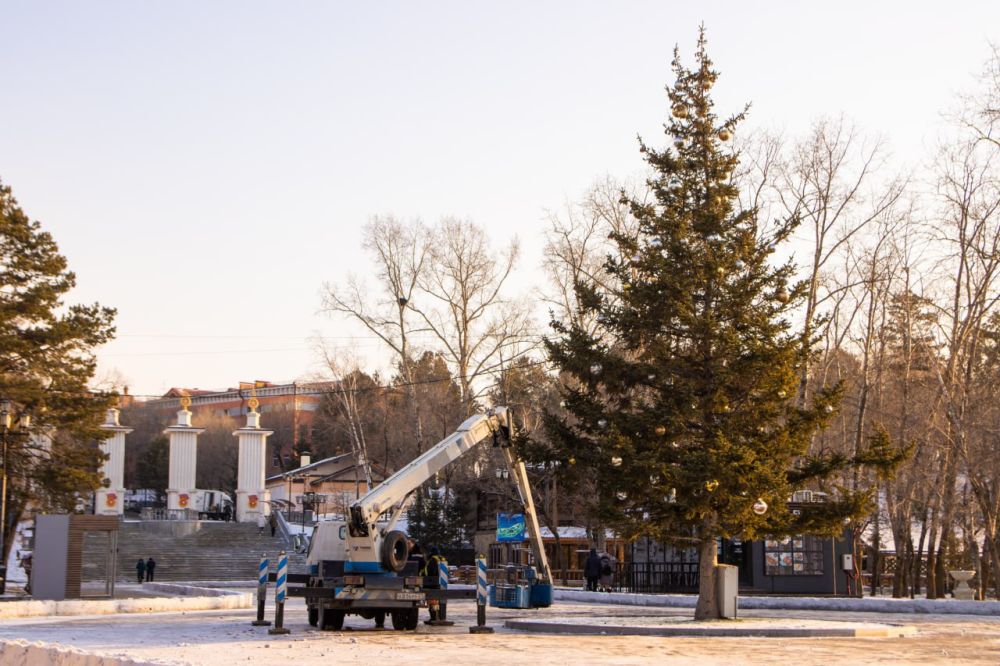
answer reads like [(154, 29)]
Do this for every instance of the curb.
[(714, 632)]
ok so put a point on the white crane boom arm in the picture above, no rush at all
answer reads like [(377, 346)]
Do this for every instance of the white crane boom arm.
[(365, 538), (397, 487)]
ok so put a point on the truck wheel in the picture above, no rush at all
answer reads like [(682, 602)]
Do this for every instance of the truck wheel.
[(398, 620), (412, 616), (313, 614), (333, 619), (395, 551), (380, 620)]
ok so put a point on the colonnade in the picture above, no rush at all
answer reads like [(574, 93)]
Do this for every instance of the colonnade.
[(252, 497)]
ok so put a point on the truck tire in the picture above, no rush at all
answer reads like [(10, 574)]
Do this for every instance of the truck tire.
[(333, 619), (412, 617), (399, 620), (313, 614), (395, 551)]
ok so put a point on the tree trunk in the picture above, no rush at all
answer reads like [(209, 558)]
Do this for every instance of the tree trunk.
[(708, 558)]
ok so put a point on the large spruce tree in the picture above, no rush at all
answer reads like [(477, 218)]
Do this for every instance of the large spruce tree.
[(679, 406), (46, 362)]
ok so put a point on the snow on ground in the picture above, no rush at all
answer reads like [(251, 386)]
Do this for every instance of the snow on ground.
[(15, 574), (226, 637), (838, 604), (151, 599)]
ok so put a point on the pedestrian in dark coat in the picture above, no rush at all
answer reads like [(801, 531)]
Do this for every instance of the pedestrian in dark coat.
[(140, 569), (592, 570), (150, 568)]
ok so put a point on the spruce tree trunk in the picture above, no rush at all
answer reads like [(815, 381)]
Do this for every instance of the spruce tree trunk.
[(708, 558)]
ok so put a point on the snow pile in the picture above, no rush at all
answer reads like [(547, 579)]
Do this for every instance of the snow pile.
[(25, 653), (841, 604), (36, 608), (15, 573), (188, 590)]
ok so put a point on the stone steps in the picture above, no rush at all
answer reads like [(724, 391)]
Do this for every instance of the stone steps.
[(189, 550)]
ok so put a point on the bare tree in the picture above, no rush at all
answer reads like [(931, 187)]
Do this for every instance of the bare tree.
[(343, 372), (577, 246), (466, 309), (828, 183), (401, 253), (969, 231)]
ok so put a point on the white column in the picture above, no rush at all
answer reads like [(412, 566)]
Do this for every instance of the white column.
[(252, 498), (109, 500), (183, 459)]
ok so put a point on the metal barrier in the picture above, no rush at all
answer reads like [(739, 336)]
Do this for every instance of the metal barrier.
[(150, 513), (656, 577)]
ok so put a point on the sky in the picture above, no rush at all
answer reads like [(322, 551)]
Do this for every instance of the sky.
[(207, 167)]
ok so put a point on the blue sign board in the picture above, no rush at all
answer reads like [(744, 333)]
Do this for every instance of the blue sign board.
[(510, 527)]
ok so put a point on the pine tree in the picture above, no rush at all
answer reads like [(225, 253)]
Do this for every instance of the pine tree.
[(45, 365), (679, 406)]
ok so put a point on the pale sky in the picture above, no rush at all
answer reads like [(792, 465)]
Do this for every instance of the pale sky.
[(206, 167)]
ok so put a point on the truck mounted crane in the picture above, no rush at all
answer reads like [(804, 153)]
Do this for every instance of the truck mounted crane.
[(361, 565)]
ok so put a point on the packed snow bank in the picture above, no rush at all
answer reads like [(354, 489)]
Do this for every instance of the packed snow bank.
[(846, 604), (188, 590), (211, 600), (24, 653)]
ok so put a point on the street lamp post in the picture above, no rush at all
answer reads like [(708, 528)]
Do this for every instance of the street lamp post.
[(6, 423)]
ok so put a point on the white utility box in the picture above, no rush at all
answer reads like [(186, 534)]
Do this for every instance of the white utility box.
[(727, 588)]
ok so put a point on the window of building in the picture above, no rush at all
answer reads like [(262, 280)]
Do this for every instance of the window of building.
[(793, 556)]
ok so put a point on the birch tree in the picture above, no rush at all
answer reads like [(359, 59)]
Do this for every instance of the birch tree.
[(401, 255)]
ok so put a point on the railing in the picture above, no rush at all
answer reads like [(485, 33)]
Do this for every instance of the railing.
[(297, 542), (150, 513), (656, 577)]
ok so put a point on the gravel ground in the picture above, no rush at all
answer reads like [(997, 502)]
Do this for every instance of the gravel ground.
[(226, 637)]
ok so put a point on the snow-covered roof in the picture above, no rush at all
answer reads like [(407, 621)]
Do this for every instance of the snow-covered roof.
[(299, 471), (572, 532)]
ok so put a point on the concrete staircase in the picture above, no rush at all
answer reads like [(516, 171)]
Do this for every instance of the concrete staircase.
[(190, 550)]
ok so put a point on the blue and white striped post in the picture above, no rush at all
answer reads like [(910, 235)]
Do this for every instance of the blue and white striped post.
[(280, 590), (440, 618), (481, 599), (261, 592), (443, 574)]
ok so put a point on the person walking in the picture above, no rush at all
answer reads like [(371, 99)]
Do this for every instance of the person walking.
[(273, 522), (150, 568), (592, 570), (260, 524), (607, 571), (140, 570)]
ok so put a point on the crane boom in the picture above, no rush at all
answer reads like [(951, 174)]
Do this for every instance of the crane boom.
[(364, 535)]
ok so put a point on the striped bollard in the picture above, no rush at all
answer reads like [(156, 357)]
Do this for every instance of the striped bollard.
[(481, 592), (261, 592), (441, 617), (280, 590)]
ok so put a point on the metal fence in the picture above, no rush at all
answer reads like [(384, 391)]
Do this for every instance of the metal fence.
[(150, 513), (656, 577)]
